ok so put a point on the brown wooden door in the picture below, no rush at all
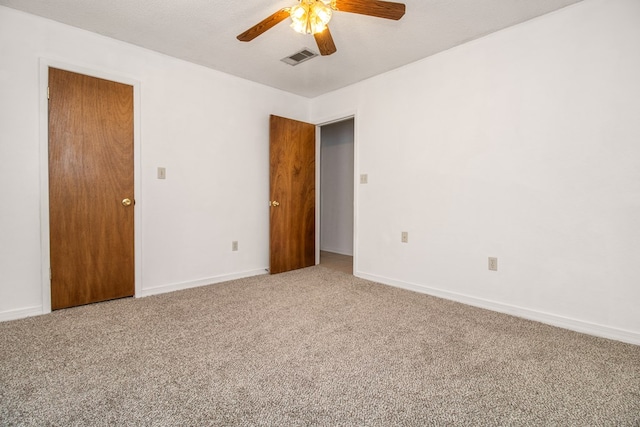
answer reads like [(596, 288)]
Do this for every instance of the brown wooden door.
[(90, 175), (292, 188)]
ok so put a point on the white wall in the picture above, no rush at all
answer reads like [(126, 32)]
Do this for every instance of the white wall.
[(336, 187), (210, 131), (524, 145)]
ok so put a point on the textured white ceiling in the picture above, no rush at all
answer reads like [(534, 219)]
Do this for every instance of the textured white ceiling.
[(204, 32)]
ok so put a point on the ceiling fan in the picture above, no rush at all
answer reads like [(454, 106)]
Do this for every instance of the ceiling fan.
[(312, 17)]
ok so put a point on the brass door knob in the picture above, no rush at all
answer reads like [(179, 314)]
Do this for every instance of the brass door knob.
[(274, 204), (126, 202)]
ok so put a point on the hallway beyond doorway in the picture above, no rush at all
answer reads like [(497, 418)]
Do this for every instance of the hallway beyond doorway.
[(336, 261)]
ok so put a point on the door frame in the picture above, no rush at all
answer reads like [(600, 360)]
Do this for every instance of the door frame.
[(45, 253), (353, 114)]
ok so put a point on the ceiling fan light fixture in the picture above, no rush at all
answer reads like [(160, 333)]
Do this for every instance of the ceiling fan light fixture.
[(321, 12), (299, 17), (310, 16)]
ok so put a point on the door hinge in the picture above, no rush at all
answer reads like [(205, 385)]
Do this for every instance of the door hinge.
[(48, 92), (50, 275)]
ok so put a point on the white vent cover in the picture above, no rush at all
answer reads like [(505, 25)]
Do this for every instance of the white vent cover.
[(299, 57)]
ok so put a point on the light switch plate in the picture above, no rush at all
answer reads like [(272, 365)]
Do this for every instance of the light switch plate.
[(162, 173), (364, 178)]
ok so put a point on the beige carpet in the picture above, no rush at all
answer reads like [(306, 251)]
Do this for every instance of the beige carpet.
[(309, 347)]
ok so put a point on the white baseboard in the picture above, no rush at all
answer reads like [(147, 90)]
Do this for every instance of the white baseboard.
[(548, 318), (37, 310), (196, 283), (21, 313), (539, 316)]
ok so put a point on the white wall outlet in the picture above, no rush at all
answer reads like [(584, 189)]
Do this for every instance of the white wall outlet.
[(162, 173), (493, 264), (364, 178), (234, 245), (404, 238)]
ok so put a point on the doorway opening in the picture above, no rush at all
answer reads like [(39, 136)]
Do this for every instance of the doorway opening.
[(337, 195)]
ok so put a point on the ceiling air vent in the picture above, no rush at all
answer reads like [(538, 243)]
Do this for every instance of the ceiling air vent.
[(299, 57)]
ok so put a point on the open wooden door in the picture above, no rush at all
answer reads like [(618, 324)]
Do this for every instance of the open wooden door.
[(292, 194), (90, 189)]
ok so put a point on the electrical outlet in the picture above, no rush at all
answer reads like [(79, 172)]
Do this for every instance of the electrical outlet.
[(162, 173), (493, 264), (364, 178), (405, 237), (234, 245)]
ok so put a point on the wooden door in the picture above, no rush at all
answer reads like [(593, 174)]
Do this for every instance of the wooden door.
[(293, 194), (90, 181)]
